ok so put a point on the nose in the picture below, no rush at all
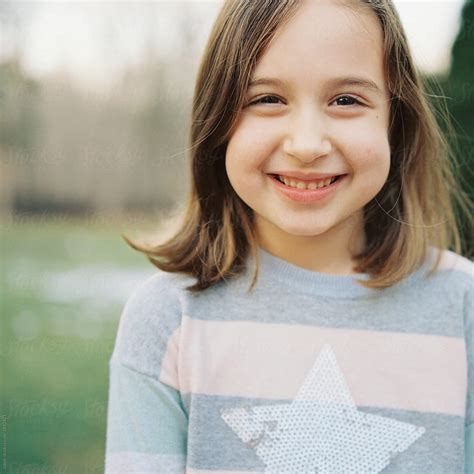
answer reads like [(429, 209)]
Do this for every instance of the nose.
[(307, 138)]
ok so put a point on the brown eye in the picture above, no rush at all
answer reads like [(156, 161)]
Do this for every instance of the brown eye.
[(345, 100), (266, 99)]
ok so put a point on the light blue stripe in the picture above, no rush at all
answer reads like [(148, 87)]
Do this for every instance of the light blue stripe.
[(144, 415), (469, 449), (116, 463)]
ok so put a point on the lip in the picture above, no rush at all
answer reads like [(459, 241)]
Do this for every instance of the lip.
[(308, 195), (305, 176)]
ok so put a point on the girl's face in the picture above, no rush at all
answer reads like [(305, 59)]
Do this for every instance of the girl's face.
[(317, 118)]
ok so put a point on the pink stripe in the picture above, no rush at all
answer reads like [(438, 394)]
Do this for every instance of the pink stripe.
[(169, 369), (382, 369)]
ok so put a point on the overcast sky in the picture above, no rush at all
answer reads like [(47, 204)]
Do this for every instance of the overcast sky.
[(92, 40)]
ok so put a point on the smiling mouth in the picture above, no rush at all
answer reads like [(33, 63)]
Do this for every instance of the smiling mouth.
[(333, 180)]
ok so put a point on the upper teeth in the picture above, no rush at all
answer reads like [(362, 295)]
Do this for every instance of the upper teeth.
[(306, 184)]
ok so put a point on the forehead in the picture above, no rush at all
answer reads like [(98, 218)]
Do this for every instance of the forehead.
[(325, 39)]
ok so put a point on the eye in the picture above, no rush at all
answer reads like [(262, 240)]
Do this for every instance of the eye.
[(271, 99), (265, 100), (345, 97)]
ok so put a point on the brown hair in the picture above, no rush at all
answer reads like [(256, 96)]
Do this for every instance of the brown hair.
[(414, 209)]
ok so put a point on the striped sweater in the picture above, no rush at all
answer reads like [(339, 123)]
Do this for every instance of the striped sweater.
[(310, 372)]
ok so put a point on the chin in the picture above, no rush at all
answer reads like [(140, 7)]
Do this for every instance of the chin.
[(304, 230)]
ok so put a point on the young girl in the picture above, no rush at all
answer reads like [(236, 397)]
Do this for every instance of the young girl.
[(317, 163)]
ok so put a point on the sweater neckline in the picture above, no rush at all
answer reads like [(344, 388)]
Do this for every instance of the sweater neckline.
[(310, 281)]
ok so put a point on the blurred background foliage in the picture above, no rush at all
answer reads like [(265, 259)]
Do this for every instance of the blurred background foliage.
[(77, 167), (459, 87)]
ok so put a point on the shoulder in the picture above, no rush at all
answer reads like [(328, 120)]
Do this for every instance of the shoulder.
[(447, 283), (149, 321), (460, 271), (455, 269), (154, 293), (452, 261)]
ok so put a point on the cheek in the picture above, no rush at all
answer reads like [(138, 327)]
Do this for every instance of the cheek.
[(241, 161), (368, 151), (248, 147), (373, 168)]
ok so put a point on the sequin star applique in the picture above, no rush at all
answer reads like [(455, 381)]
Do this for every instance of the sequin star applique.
[(321, 430)]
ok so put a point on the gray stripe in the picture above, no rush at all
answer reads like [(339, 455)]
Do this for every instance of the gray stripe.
[(213, 445), (435, 309)]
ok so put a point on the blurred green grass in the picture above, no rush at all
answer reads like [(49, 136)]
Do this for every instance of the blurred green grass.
[(57, 339)]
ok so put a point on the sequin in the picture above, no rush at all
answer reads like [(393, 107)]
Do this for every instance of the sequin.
[(321, 430)]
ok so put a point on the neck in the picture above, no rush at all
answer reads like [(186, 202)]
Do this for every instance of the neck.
[(330, 252)]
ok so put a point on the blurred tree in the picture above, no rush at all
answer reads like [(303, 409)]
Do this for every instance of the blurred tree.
[(19, 123), (461, 90), (18, 120), (455, 89)]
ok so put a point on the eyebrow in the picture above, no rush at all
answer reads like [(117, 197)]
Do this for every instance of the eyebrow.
[(335, 82)]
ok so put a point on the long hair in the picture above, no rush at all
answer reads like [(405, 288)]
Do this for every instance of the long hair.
[(415, 208)]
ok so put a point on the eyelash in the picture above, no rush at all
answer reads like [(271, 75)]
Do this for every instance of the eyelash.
[(259, 101)]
